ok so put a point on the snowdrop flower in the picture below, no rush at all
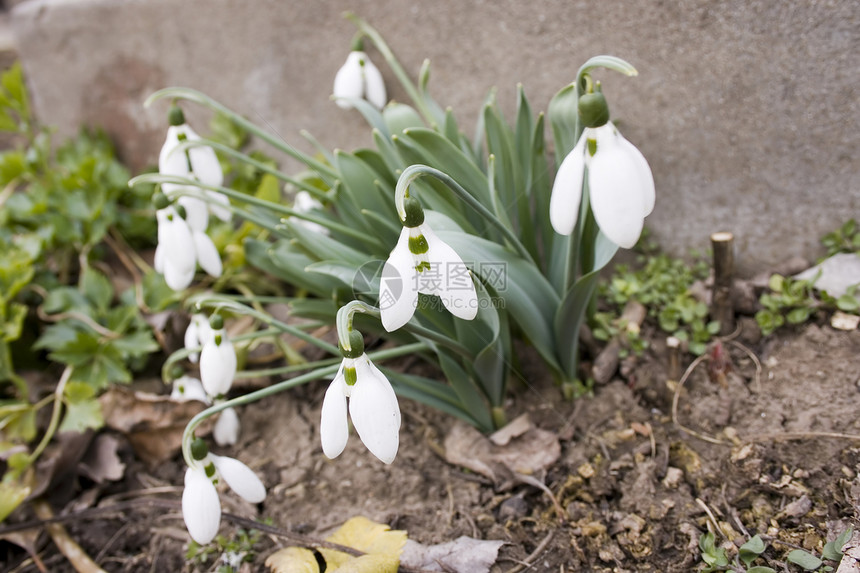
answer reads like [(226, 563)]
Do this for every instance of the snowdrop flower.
[(201, 506), (181, 248), (188, 388), (197, 334), (421, 262), (304, 202), (620, 183), (373, 406), (198, 163), (217, 360), (226, 430), (359, 78)]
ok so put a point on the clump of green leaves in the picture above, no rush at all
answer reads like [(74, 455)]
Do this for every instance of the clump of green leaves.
[(62, 209), (716, 559), (663, 285), (789, 301), (794, 301), (845, 239), (230, 552)]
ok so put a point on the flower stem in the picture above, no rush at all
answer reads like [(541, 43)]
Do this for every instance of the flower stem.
[(188, 434), (55, 415), (413, 172)]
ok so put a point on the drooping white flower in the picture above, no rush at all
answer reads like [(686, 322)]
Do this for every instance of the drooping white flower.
[(304, 202), (199, 163), (181, 248), (373, 408), (423, 263), (359, 78), (620, 183), (189, 388), (196, 335), (175, 255), (201, 506), (226, 430), (217, 363)]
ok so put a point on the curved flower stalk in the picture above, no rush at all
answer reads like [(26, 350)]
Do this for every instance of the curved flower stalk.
[(373, 404), (620, 183), (359, 78), (201, 505), (421, 262), (199, 163)]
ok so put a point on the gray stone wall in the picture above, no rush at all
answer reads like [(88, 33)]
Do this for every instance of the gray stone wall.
[(746, 109)]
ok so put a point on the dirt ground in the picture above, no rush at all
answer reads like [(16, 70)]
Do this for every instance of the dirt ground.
[(626, 488)]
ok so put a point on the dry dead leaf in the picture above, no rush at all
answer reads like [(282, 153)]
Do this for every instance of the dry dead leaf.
[(152, 423), (293, 560), (101, 462), (463, 555), (381, 545), (526, 452)]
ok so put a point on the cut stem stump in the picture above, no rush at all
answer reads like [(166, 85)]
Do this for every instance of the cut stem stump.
[(722, 308)]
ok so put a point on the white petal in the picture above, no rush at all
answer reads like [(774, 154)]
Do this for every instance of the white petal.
[(219, 204), (207, 254), (158, 263), (176, 278), (188, 388), (450, 277), (175, 234), (217, 364), (334, 429), (645, 176), (205, 165), (226, 430), (348, 82), (201, 508), (304, 202), (240, 478), (398, 287), (374, 85), (374, 411), (616, 193), (170, 163), (567, 190), (196, 212)]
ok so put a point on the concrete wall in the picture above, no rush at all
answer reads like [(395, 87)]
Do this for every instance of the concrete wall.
[(746, 109)]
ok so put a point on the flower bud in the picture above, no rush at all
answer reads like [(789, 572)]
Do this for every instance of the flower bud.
[(593, 109), (356, 343), (414, 212), (175, 115), (199, 449), (160, 200)]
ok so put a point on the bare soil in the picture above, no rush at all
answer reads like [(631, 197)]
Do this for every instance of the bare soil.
[(775, 453)]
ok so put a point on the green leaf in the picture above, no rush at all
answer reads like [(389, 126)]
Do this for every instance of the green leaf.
[(81, 416), (833, 549), (760, 569), (847, 303), (97, 288), (13, 492), (776, 283), (804, 559), (563, 117), (798, 315), (750, 550)]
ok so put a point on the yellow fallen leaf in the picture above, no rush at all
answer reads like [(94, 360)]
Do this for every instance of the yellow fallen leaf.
[(381, 545), (293, 560)]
